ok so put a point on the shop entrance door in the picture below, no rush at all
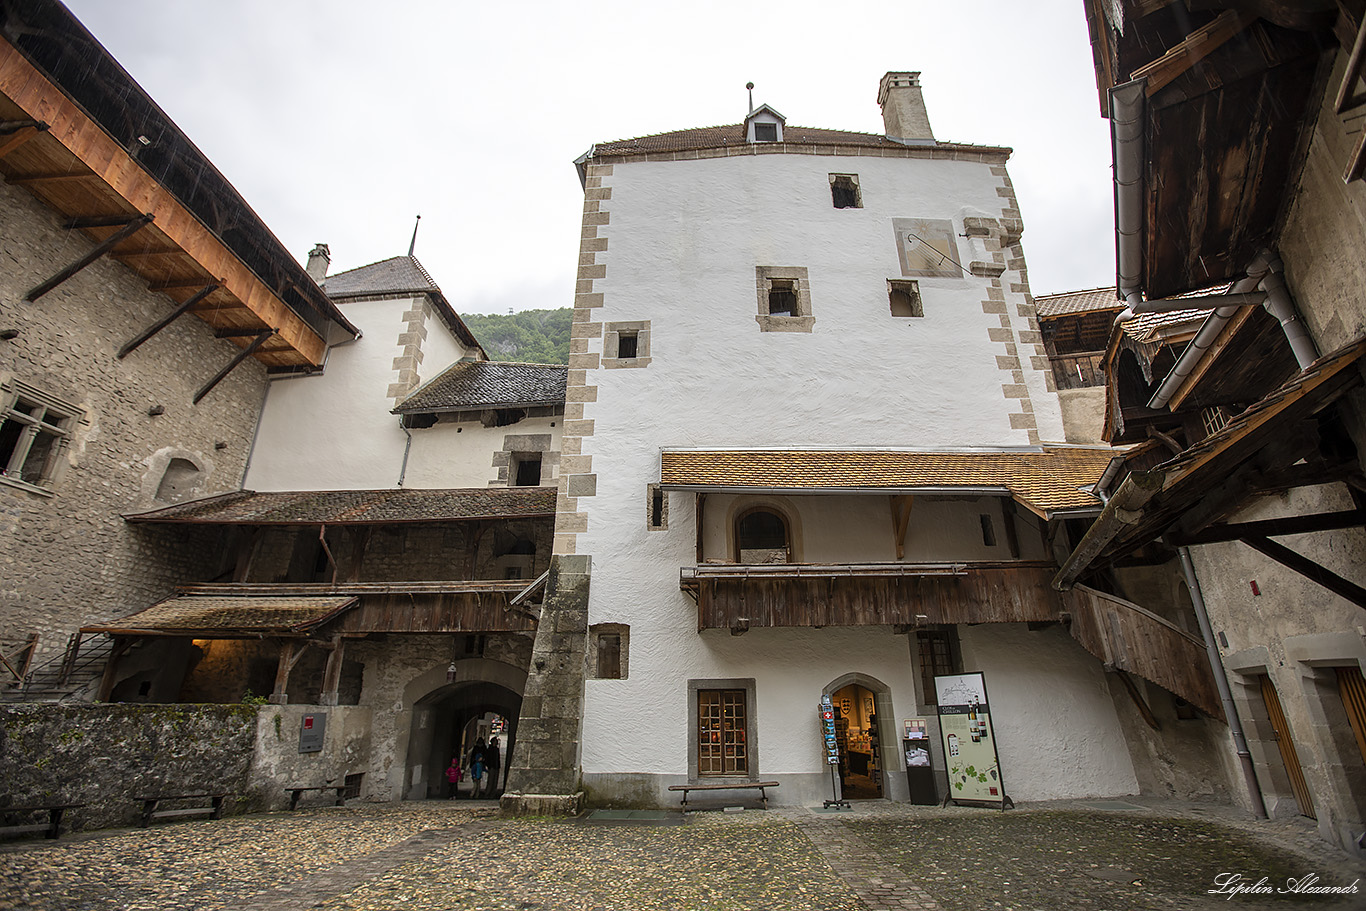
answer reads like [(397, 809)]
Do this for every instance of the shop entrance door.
[(856, 731)]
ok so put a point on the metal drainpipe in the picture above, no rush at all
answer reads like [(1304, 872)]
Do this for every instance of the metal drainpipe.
[(1235, 726), (1279, 304), (407, 447)]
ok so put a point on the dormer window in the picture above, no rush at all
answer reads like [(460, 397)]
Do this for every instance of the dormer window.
[(764, 125), (765, 132)]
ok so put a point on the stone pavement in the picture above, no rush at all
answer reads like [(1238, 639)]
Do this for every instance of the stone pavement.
[(1099, 856)]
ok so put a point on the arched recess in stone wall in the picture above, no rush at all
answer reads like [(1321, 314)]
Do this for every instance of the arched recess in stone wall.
[(888, 742), (438, 709)]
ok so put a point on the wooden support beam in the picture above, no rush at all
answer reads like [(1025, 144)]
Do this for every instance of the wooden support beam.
[(165, 321), (1348, 97), (701, 500), (332, 673), (110, 676), (161, 251), (1198, 45), (290, 653), (1291, 525), (236, 333), (322, 540), (99, 250), (241, 356), (99, 221), (186, 285), (9, 141), (901, 520), (1132, 689), (1309, 569), (66, 177)]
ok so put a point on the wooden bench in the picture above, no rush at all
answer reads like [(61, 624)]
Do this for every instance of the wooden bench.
[(51, 829), (725, 786), (296, 793), (151, 807)]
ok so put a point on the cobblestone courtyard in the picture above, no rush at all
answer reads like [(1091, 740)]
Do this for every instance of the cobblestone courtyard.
[(1101, 855)]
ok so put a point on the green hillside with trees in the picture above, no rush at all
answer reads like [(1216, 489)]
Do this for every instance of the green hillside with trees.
[(531, 336)]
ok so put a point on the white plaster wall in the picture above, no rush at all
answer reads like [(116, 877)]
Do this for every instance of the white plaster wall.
[(862, 376), (335, 431), (461, 454), (1057, 734), (858, 529)]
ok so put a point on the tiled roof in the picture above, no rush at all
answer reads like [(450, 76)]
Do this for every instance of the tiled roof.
[(734, 135), (358, 507), (1098, 299), (1045, 481), (1147, 327), (488, 384), (395, 275), (220, 615)]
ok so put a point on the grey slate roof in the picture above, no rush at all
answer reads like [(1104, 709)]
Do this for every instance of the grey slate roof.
[(489, 384), (395, 275), (358, 507)]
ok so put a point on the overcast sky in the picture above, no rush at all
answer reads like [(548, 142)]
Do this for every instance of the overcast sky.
[(340, 121)]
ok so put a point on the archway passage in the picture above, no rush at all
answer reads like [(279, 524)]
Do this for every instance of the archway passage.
[(445, 725)]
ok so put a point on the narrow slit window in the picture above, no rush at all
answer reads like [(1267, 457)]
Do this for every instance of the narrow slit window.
[(609, 656), (656, 506)]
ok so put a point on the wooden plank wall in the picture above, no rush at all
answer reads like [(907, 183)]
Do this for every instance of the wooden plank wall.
[(1130, 638), (1005, 595), (448, 612)]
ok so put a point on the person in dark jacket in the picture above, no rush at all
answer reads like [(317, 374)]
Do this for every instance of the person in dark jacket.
[(493, 761), (477, 759)]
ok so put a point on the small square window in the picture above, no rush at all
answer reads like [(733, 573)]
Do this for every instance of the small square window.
[(844, 191), (765, 132), (626, 343), (904, 298), (607, 657), (528, 470), (782, 298)]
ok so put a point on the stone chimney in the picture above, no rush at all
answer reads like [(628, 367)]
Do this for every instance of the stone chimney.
[(319, 258), (903, 107)]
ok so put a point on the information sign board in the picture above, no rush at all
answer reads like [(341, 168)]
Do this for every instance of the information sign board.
[(969, 739)]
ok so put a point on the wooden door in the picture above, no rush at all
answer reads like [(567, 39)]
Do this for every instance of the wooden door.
[(1287, 747), (1352, 688)]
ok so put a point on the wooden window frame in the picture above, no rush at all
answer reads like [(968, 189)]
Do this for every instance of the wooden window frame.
[(741, 693)]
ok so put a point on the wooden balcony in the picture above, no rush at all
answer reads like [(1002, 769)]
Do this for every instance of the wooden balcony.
[(742, 597), (1130, 638)]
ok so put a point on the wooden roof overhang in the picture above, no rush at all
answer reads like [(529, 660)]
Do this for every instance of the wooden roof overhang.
[(231, 616), (66, 156), (447, 606), (1272, 445), (1231, 98), (741, 597)]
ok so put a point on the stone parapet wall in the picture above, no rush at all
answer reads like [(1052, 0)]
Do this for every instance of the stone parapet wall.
[(106, 755)]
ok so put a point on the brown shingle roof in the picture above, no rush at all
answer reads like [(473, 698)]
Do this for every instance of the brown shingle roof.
[(1097, 299), (228, 615), (489, 384), (358, 507), (734, 135), (1046, 481)]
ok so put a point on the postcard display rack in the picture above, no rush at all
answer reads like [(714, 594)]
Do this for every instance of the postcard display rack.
[(974, 767), (915, 743), (830, 743)]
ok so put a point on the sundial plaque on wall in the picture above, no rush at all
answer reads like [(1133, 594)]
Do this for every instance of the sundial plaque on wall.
[(925, 247)]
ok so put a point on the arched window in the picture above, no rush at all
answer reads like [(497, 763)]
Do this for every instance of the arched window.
[(761, 536), (181, 479)]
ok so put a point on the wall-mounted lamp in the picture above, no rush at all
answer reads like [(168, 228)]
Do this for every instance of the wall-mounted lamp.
[(450, 673)]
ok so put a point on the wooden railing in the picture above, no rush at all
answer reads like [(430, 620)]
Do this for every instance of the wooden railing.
[(1131, 638), (1078, 371)]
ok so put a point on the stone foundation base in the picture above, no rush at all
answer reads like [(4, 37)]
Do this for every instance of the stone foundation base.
[(541, 804)]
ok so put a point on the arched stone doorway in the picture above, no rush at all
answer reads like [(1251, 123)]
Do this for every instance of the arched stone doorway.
[(441, 711), (869, 759)]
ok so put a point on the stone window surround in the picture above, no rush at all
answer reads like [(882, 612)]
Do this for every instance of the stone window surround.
[(802, 320), (70, 415), (911, 289), (610, 340), (745, 505), (622, 630), (516, 444), (751, 726)]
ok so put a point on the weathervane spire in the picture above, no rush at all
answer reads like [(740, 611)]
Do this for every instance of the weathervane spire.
[(412, 245)]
